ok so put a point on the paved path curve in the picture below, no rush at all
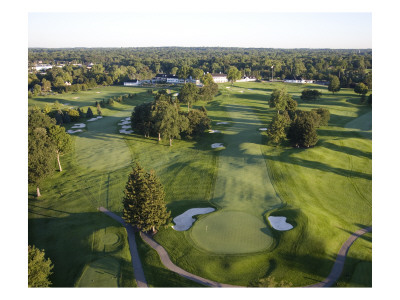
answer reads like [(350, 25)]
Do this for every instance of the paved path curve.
[(137, 265), (139, 274), (341, 257)]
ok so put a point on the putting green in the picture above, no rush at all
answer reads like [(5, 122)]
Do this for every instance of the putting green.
[(232, 232), (242, 185)]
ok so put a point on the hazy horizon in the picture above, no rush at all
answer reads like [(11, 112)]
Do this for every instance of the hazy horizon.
[(226, 30)]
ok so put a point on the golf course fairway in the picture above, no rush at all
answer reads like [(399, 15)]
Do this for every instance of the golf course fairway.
[(242, 190)]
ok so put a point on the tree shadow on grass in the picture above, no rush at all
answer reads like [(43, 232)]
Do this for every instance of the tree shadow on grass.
[(347, 150), (67, 241)]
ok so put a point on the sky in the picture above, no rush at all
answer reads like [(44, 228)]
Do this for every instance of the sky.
[(341, 30)]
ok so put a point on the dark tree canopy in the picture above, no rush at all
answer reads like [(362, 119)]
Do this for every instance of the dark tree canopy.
[(308, 94), (144, 205), (302, 131)]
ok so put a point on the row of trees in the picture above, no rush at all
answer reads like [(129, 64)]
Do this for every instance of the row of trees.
[(46, 143), (297, 126), (115, 65)]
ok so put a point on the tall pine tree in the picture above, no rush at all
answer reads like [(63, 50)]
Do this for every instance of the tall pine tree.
[(144, 205)]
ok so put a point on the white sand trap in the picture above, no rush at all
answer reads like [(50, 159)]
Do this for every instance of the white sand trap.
[(222, 123), (73, 131), (99, 117), (67, 104), (240, 91), (98, 92), (279, 223), (126, 127), (250, 89), (124, 131), (263, 129), (124, 123), (92, 119), (79, 125), (185, 221), (213, 131), (127, 119), (228, 87), (217, 145), (75, 98)]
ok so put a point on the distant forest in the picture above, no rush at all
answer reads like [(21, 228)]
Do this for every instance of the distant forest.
[(116, 65)]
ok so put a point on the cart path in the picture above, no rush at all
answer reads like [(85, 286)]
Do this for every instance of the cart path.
[(340, 259), (166, 261), (136, 263)]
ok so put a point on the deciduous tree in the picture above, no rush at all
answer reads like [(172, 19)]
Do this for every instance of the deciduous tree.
[(334, 85), (61, 140), (39, 268), (233, 74)]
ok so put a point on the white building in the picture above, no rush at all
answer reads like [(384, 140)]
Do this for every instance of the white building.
[(298, 81), (220, 78), (245, 79), (132, 83), (41, 67)]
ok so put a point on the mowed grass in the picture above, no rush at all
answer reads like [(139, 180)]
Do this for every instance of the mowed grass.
[(325, 191), (65, 221)]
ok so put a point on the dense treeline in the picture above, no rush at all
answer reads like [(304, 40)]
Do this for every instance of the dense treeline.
[(115, 65)]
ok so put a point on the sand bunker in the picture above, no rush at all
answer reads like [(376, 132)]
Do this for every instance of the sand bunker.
[(240, 91), (124, 131), (67, 104), (185, 221), (98, 92), (279, 223), (228, 87), (79, 125), (74, 131), (263, 129), (217, 145), (222, 123), (75, 98), (124, 123), (126, 127), (213, 131)]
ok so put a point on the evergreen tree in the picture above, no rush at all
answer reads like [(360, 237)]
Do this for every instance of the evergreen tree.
[(39, 268), (144, 204), (89, 113)]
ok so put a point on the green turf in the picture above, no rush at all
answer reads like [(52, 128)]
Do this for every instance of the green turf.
[(325, 192), (231, 232)]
